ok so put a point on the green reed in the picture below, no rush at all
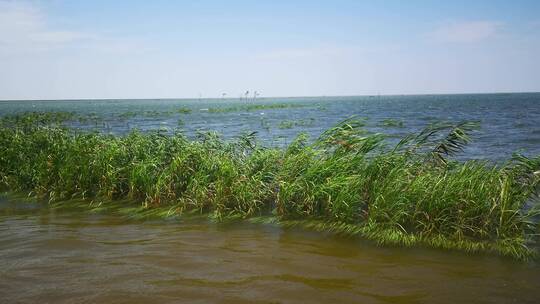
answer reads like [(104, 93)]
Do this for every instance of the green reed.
[(347, 181)]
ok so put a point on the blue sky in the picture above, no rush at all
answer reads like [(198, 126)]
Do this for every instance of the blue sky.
[(171, 49)]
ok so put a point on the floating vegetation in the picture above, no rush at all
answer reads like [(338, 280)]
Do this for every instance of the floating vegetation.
[(183, 110), (127, 115), (391, 123), (289, 124), (32, 119), (286, 124), (150, 113), (345, 181), (156, 114), (90, 117), (255, 107)]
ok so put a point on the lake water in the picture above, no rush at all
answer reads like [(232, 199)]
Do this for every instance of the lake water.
[(52, 256), (509, 122)]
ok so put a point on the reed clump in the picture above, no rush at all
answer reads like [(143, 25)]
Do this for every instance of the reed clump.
[(347, 180)]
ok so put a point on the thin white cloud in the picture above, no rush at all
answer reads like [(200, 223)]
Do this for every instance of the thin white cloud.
[(23, 26), (466, 32)]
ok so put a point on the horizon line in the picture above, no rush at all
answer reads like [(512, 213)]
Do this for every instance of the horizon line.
[(270, 97)]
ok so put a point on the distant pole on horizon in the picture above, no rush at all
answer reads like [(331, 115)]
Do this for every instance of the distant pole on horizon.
[(255, 94), (246, 95), (223, 95)]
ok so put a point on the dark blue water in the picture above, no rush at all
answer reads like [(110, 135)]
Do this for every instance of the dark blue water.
[(509, 122)]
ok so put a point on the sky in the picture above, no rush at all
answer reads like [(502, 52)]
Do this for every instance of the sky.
[(183, 49)]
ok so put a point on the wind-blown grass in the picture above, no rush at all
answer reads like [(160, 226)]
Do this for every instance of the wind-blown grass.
[(345, 181)]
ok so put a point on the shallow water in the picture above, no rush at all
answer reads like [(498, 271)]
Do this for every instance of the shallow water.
[(510, 122), (53, 256)]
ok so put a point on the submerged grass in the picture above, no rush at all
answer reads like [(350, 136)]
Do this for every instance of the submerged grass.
[(153, 114), (345, 181), (391, 123), (183, 110), (289, 124)]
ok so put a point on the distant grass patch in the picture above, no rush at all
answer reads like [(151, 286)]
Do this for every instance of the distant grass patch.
[(129, 114), (32, 119), (148, 113), (184, 110), (255, 107), (289, 124), (391, 123), (57, 119), (286, 124)]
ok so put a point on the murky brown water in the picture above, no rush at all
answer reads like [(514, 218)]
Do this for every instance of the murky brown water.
[(62, 257)]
